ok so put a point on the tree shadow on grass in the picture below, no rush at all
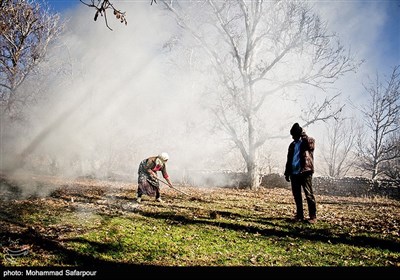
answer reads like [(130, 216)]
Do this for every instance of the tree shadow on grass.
[(304, 231), (68, 257)]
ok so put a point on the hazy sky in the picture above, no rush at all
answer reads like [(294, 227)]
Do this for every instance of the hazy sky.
[(375, 21), (128, 93)]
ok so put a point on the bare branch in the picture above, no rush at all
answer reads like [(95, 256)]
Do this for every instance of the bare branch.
[(316, 112), (101, 8)]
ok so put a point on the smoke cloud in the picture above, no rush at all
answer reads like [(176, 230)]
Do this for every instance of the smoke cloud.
[(114, 98)]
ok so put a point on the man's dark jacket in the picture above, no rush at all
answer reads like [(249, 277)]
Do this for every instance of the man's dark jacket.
[(306, 155)]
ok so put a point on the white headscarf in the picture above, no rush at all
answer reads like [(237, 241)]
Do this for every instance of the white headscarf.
[(162, 158)]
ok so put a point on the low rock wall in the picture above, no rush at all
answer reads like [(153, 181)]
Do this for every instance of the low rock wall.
[(351, 186)]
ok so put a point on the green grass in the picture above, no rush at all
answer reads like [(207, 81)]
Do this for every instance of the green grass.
[(91, 222)]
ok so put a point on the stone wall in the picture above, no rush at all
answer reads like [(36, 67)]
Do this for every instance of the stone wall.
[(351, 186), (357, 186)]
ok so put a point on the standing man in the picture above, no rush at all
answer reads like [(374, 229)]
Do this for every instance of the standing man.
[(299, 171), (147, 176)]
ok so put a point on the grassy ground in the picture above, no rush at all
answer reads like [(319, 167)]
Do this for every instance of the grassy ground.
[(96, 223)]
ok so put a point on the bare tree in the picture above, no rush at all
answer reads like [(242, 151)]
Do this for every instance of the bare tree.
[(391, 168), (340, 143), (381, 116), (27, 29), (247, 44)]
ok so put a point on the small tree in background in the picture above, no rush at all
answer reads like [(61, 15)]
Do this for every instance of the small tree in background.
[(391, 167), (339, 146), (378, 147)]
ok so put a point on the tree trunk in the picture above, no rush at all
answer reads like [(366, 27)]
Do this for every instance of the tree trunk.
[(252, 176)]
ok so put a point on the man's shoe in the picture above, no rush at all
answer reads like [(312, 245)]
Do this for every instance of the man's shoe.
[(312, 220), (159, 200)]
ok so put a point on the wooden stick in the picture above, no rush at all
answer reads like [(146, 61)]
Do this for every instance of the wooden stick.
[(172, 187)]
